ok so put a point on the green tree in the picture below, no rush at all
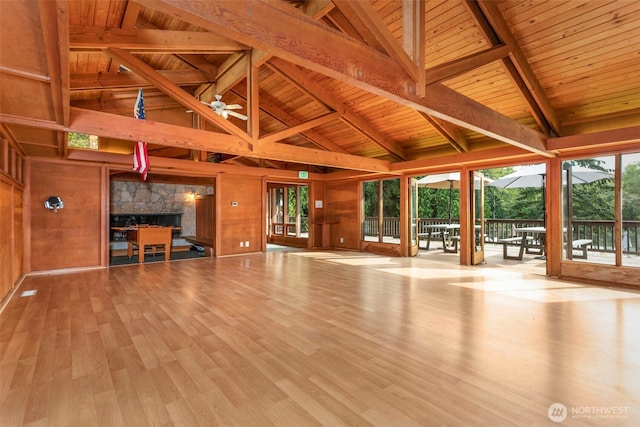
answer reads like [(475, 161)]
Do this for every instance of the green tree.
[(82, 140), (631, 192), (498, 203), (370, 194), (391, 198), (595, 200)]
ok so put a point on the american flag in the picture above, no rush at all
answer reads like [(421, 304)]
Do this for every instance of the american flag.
[(140, 155)]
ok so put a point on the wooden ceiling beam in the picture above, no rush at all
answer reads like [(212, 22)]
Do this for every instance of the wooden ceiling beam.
[(180, 167), (467, 159), (253, 98), (463, 65), (531, 84), (301, 127), (130, 129), (335, 55), (175, 92), (230, 73), (414, 38), (6, 132), (317, 9), (270, 26), (126, 79), (299, 78), (449, 105), (124, 106), (141, 41), (629, 135), (274, 110), (201, 64), (130, 15), (30, 121), (53, 16), (450, 132), (375, 33)]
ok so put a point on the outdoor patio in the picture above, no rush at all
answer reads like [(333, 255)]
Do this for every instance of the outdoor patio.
[(530, 263)]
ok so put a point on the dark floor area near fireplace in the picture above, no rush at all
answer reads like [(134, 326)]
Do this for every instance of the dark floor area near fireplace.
[(176, 255)]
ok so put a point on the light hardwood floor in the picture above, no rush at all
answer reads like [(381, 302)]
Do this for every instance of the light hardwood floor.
[(317, 338)]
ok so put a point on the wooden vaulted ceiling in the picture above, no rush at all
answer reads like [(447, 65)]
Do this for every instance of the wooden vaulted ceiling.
[(373, 85)]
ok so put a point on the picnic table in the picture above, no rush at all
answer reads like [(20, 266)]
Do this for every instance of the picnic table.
[(447, 233), (532, 241)]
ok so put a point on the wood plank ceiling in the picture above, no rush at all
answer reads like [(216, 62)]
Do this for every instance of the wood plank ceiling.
[(327, 85)]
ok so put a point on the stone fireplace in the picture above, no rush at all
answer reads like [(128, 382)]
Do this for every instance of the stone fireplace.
[(164, 204)]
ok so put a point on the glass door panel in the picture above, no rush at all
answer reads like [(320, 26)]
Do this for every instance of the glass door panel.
[(413, 217), (477, 203)]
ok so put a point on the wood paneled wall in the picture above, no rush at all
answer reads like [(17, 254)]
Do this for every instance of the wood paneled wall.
[(11, 217), (342, 206), (73, 236), (239, 212), (11, 234), (205, 217), (318, 218)]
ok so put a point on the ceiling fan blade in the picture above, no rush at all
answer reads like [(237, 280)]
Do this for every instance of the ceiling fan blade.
[(206, 103), (238, 115), (233, 107)]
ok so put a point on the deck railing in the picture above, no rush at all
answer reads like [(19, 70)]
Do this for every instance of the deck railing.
[(600, 232)]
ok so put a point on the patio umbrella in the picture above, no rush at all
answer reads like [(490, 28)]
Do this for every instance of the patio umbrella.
[(444, 181), (534, 176)]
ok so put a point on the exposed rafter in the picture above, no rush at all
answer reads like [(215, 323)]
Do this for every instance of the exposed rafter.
[(54, 27), (278, 113), (299, 78), (141, 41), (346, 60), (460, 66), (126, 128), (372, 29), (530, 86), (175, 92), (450, 132), (125, 79), (413, 38)]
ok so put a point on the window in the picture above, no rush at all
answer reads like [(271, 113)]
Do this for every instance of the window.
[(589, 210), (630, 168), (289, 210), (82, 140), (381, 209)]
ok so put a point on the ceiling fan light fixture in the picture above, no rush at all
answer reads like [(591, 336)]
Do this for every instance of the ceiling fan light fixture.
[(224, 110)]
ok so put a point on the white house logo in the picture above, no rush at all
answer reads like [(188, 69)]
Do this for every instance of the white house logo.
[(557, 412)]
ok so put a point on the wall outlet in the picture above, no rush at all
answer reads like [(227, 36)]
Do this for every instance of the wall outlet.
[(342, 240), (246, 244), (241, 244)]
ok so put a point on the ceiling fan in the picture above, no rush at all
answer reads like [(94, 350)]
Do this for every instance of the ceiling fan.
[(225, 110)]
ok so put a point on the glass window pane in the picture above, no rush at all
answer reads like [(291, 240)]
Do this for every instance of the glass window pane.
[(630, 164), (303, 200), (370, 210), (589, 212), (292, 204), (391, 210), (277, 213)]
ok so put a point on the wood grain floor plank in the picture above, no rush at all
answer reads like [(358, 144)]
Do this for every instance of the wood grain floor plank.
[(315, 338)]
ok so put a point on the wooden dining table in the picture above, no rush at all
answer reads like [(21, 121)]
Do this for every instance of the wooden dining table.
[(150, 240)]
